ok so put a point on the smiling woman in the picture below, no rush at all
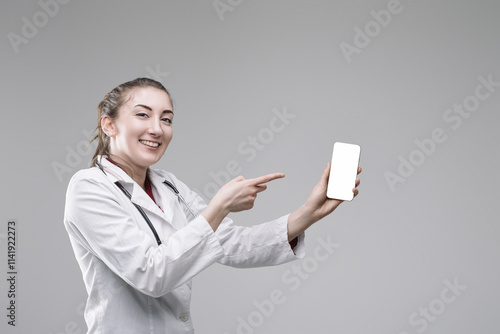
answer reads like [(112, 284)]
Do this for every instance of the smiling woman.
[(144, 99), (138, 276), (140, 134)]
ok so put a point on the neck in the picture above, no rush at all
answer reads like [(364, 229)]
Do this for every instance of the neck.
[(141, 179), (138, 175)]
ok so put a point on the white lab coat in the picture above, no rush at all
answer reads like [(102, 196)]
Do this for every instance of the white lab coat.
[(134, 285)]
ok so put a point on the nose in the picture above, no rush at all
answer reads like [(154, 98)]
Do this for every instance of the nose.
[(155, 128)]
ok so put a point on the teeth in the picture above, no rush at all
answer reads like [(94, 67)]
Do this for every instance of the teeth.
[(149, 143)]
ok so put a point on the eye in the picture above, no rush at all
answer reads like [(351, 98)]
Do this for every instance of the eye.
[(166, 119), (142, 114)]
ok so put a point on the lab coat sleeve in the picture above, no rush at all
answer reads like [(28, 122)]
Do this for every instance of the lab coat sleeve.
[(264, 244), (95, 219)]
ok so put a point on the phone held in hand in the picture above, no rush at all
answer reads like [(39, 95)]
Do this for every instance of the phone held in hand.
[(343, 171)]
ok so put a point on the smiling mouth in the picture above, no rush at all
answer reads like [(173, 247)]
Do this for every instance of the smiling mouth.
[(149, 143)]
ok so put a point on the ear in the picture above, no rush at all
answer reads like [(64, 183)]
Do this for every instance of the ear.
[(108, 126)]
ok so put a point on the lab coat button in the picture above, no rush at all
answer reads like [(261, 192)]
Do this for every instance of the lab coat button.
[(184, 317)]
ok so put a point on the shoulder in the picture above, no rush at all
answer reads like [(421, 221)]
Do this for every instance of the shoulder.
[(85, 178), (88, 190), (165, 175), (191, 197), (89, 174), (162, 175)]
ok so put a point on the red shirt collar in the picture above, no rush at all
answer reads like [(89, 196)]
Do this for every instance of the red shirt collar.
[(147, 182)]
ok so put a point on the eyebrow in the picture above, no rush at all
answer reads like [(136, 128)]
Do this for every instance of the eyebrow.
[(166, 111)]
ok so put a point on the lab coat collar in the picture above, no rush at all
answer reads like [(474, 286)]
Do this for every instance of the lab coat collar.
[(115, 172), (138, 195)]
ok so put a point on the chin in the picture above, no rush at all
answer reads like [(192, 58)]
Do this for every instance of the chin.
[(151, 161)]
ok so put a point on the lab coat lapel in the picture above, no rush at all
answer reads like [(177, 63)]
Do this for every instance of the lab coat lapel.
[(141, 198), (138, 195), (166, 198)]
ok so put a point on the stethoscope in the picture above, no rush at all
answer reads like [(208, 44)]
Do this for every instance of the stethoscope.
[(141, 211)]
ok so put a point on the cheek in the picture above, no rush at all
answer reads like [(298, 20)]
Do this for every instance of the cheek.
[(168, 133), (167, 138)]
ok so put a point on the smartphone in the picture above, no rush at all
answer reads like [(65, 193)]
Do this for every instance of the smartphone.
[(343, 171)]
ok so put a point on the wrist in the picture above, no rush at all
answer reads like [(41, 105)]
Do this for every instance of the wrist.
[(299, 221), (219, 206), (214, 213), (308, 213)]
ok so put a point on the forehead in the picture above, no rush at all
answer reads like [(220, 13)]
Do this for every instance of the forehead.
[(149, 96)]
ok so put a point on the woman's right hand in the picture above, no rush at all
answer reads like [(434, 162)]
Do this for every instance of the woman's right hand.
[(237, 195)]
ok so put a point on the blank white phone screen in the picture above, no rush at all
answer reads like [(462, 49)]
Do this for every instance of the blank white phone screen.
[(343, 171)]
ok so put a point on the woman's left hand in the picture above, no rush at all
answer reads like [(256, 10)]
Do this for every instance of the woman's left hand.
[(318, 204), (316, 207)]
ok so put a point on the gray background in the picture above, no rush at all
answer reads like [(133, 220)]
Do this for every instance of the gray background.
[(227, 73)]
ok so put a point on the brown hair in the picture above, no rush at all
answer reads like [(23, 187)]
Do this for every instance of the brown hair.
[(110, 105)]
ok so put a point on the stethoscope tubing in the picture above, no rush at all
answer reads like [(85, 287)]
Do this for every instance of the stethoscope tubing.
[(143, 214), (141, 211)]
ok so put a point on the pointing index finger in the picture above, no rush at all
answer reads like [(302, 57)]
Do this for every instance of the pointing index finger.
[(266, 178)]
